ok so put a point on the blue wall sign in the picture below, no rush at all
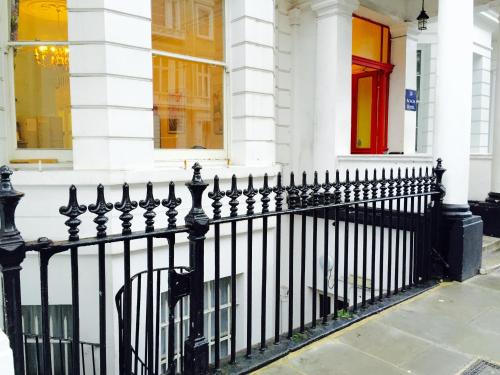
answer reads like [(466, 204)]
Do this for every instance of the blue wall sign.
[(411, 100)]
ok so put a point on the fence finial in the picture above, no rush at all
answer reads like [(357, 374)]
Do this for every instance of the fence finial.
[(10, 238)]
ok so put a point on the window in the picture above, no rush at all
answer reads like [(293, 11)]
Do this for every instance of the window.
[(38, 41), (209, 325), (188, 74), (60, 321)]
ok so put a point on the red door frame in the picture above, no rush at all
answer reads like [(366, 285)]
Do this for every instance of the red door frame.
[(378, 141)]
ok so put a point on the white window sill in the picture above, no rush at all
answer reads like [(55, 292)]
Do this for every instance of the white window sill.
[(386, 158)]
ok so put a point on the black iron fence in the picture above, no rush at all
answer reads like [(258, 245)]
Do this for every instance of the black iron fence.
[(358, 242)]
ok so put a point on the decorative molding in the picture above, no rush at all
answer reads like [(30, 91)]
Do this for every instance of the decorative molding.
[(328, 8), (294, 16)]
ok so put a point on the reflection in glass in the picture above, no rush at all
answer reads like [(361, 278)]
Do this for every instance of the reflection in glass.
[(188, 108), (188, 27), (43, 109)]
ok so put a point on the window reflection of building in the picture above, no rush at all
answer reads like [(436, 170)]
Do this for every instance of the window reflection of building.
[(187, 92)]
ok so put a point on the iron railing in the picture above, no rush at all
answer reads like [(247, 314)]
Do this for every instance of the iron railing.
[(379, 234)]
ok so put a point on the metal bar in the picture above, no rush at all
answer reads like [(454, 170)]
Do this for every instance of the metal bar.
[(217, 296), (171, 308), (314, 268), (83, 359), (44, 294), (412, 233), (405, 231), (93, 359), (325, 266), (374, 191), (233, 292), (277, 289), (336, 266), (366, 192), (382, 237), (127, 310), (249, 287), (389, 236), (290, 276), (355, 261), (302, 273), (61, 362), (264, 287), (102, 310), (38, 362), (76, 311), (157, 326), (398, 231), (149, 309), (137, 321)]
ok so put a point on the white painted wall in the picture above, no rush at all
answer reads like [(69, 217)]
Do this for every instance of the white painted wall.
[(6, 361)]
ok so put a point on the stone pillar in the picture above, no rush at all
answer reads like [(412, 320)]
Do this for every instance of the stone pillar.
[(252, 82), (111, 84), (402, 123), (461, 232), (296, 141), (332, 131), (494, 195)]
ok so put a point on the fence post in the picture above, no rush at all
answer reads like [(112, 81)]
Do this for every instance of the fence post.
[(196, 345), (12, 253), (437, 257)]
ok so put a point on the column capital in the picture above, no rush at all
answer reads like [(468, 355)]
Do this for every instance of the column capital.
[(328, 8), (407, 29), (294, 16)]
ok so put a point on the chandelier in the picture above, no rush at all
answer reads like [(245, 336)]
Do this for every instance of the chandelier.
[(52, 56)]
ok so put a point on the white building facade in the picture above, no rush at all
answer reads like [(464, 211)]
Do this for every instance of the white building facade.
[(113, 91)]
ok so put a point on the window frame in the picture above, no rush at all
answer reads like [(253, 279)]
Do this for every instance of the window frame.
[(13, 152), (183, 154)]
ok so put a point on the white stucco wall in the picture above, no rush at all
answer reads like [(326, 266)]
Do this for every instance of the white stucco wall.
[(6, 361)]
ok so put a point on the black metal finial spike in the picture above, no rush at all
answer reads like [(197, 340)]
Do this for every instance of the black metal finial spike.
[(304, 188), (374, 184), (357, 186), (336, 188), (233, 194), (265, 191), (149, 204), (216, 195), (72, 211), (278, 191), (392, 183), (413, 181), (326, 188), (250, 193), (427, 180), (293, 193), (383, 184), (315, 195), (125, 207), (171, 203), (347, 187), (100, 208), (366, 186)]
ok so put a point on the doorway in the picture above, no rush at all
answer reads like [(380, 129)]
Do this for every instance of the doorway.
[(370, 86)]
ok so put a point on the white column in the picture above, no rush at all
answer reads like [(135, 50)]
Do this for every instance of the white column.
[(495, 166), (402, 123), (332, 129), (296, 141), (452, 128), (111, 84), (252, 82)]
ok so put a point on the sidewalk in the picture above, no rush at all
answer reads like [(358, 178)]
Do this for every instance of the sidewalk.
[(443, 331)]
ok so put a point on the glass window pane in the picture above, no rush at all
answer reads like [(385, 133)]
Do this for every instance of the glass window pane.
[(366, 39), (224, 319), (43, 109), (188, 27), (364, 112), (39, 20), (224, 288), (224, 348), (188, 104)]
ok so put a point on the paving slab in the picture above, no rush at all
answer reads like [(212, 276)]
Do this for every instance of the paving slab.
[(441, 332)]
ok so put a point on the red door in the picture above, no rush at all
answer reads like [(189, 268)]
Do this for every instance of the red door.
[(369, 112)]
